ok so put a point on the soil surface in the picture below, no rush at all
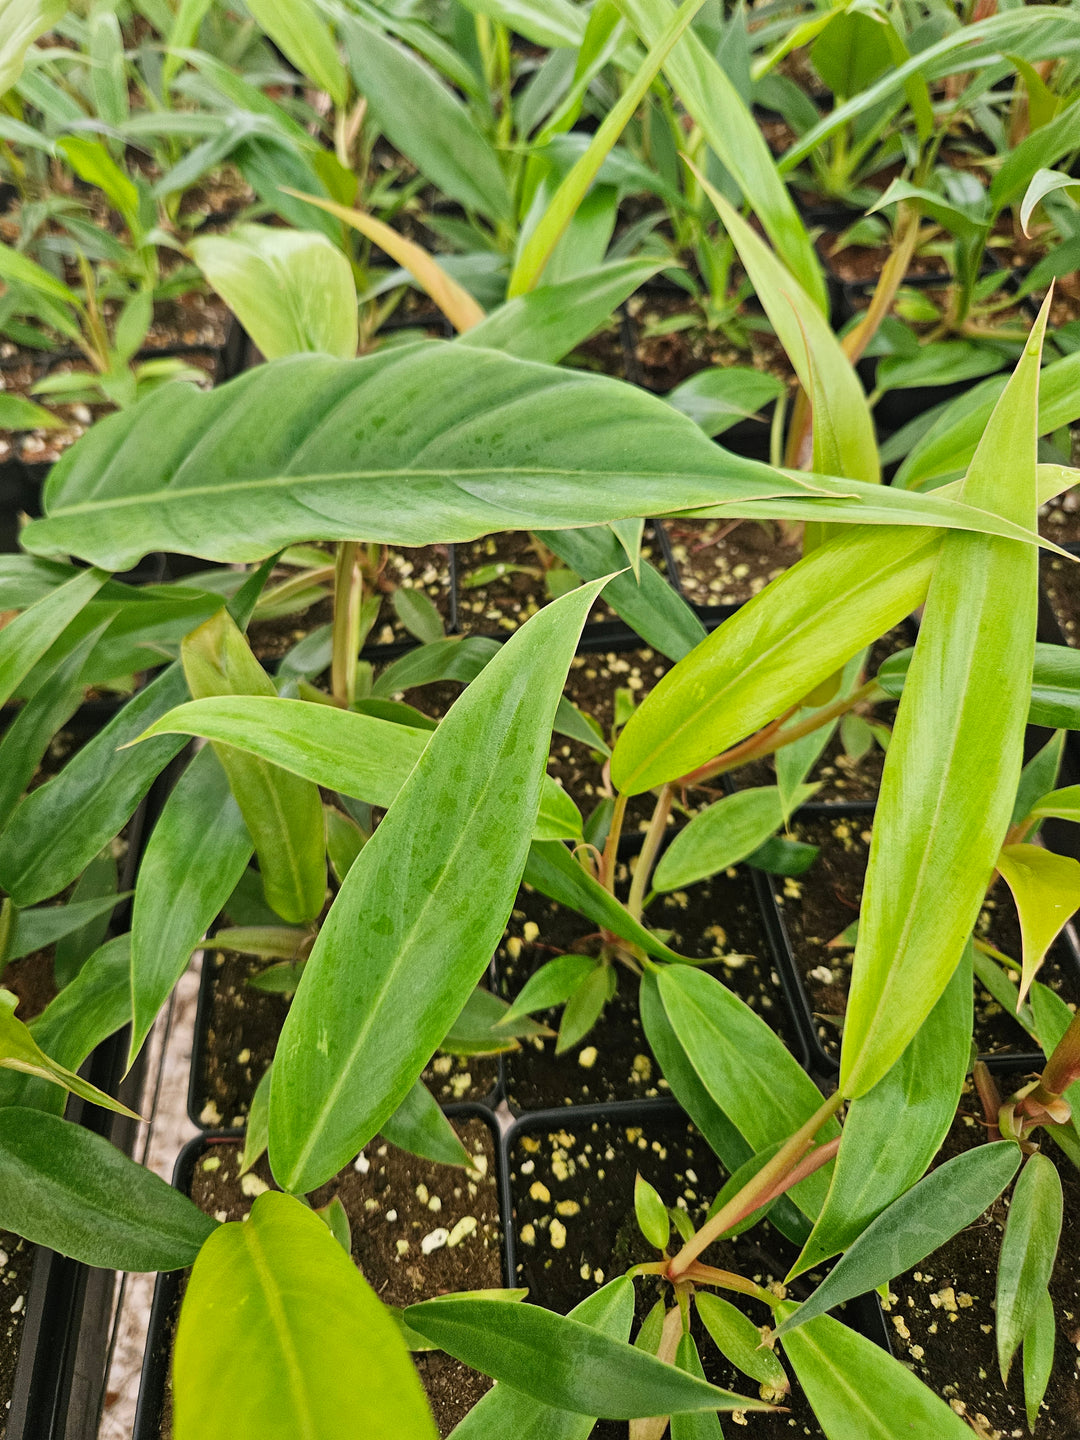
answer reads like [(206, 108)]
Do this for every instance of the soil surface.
[(718, 919), (821, 904), (418, 1230), (721, 562)]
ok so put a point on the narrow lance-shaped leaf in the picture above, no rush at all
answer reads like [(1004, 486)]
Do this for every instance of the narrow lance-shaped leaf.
[(21, 22), (1055, 682), (282, 812), (26, 639), (429, 442), (563, 1362), (1028, 1251), (98, 882), (931, 1212), (959, 733), (723, 834), (422, 908), (1039, 1344), (739, 1339), (354, 754), (419, 1126), (1046, 889), (701, 1426), (504, 1411), (65, 1187), (20, 1051), (297, 27), (279, 1326), (193, 861)]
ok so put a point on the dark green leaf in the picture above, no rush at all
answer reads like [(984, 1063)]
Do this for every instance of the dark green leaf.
[(1028, 1251)]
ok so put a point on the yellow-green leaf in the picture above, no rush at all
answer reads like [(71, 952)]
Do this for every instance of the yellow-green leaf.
[(1046, 888)]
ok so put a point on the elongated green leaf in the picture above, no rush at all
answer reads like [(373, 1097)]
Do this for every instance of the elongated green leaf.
[(58, 829), (292, 290), (193, 861), (1028, 1251), (1055, 684), (646, 601), (552, 984), (278, 1326), (36, 929), (712, 99), (282, 811), (419, 1126), (551, 23), (65, 1187), (297, 28), (26, 639), (434, 130), (563, 1362), (1046, 889), (19, 1051), (979, 625), (355, 754), (738, 1338), (844, 439), (1063, 804), (893, 1132), (19, 414), (1039, 1345), (429, 442), (701, 1426), (553, 870), (90, 1008), (486, 1027), (718, 398), (422, 909), (257, 1131), (548, 322), (931, 1212), (745, 1068), (1043, 182), (504, 1411), (21, 22), (723, 834), (98, 880), (859, 1392)]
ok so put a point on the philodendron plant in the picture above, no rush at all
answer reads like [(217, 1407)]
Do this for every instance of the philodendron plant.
[(440, 442)]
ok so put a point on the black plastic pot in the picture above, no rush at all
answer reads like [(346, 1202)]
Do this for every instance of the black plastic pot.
[(168, 1290)]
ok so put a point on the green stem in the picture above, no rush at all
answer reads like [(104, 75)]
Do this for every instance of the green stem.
[(611, 848), (647, 859), (348, 596)]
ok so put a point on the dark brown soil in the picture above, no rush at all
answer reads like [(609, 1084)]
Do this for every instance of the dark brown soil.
[(572, 1193), (724, 563), (1059, 520), (941, 1315), (404, 1213), (16, 1267), (1061, 584), (718, 918), (241, 1026), (819, 905)]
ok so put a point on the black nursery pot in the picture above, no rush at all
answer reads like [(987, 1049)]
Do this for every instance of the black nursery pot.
[(451, 1386), (571, 1184)]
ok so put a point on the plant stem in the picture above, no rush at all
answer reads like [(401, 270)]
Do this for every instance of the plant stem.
[(647, 858), (727, 1280), (751, 1196), (348, 595), (611, 848)]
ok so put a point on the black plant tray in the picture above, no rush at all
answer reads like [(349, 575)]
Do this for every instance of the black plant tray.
[(168, 1291)]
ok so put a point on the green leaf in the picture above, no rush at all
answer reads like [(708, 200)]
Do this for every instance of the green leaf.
[(92, 162), (417, 613), (19, 414), (434, 130), (550, 321), (944, 363), (67, 1188), (297, 29), (713, 101), (585, 1006), (278, 1326), (355, 754), (419, 1126), (1039, 1356), (344, 841), (959, 733), (421, 911), (487, 1027), (1040, 773), (652, 1216), (1055, 684), (550, 23), (552, 984), (1042, 183), (1061, 804), (98, 880), (292, 290), (417, 444), (720, 397), (859, 1392), (844, 438), (257, 1131), (192, 863), (745, 1068), (646, 602), (1046, 889), (562, 1362), (1028, 1251), (701, 1426), (915, 1225), (504, 1411), (27, 638), (554, 871), (892, 1133), (282, 811), (58, 828), (21, 22), (20, 1051), (723, 834), (739, 1339)]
